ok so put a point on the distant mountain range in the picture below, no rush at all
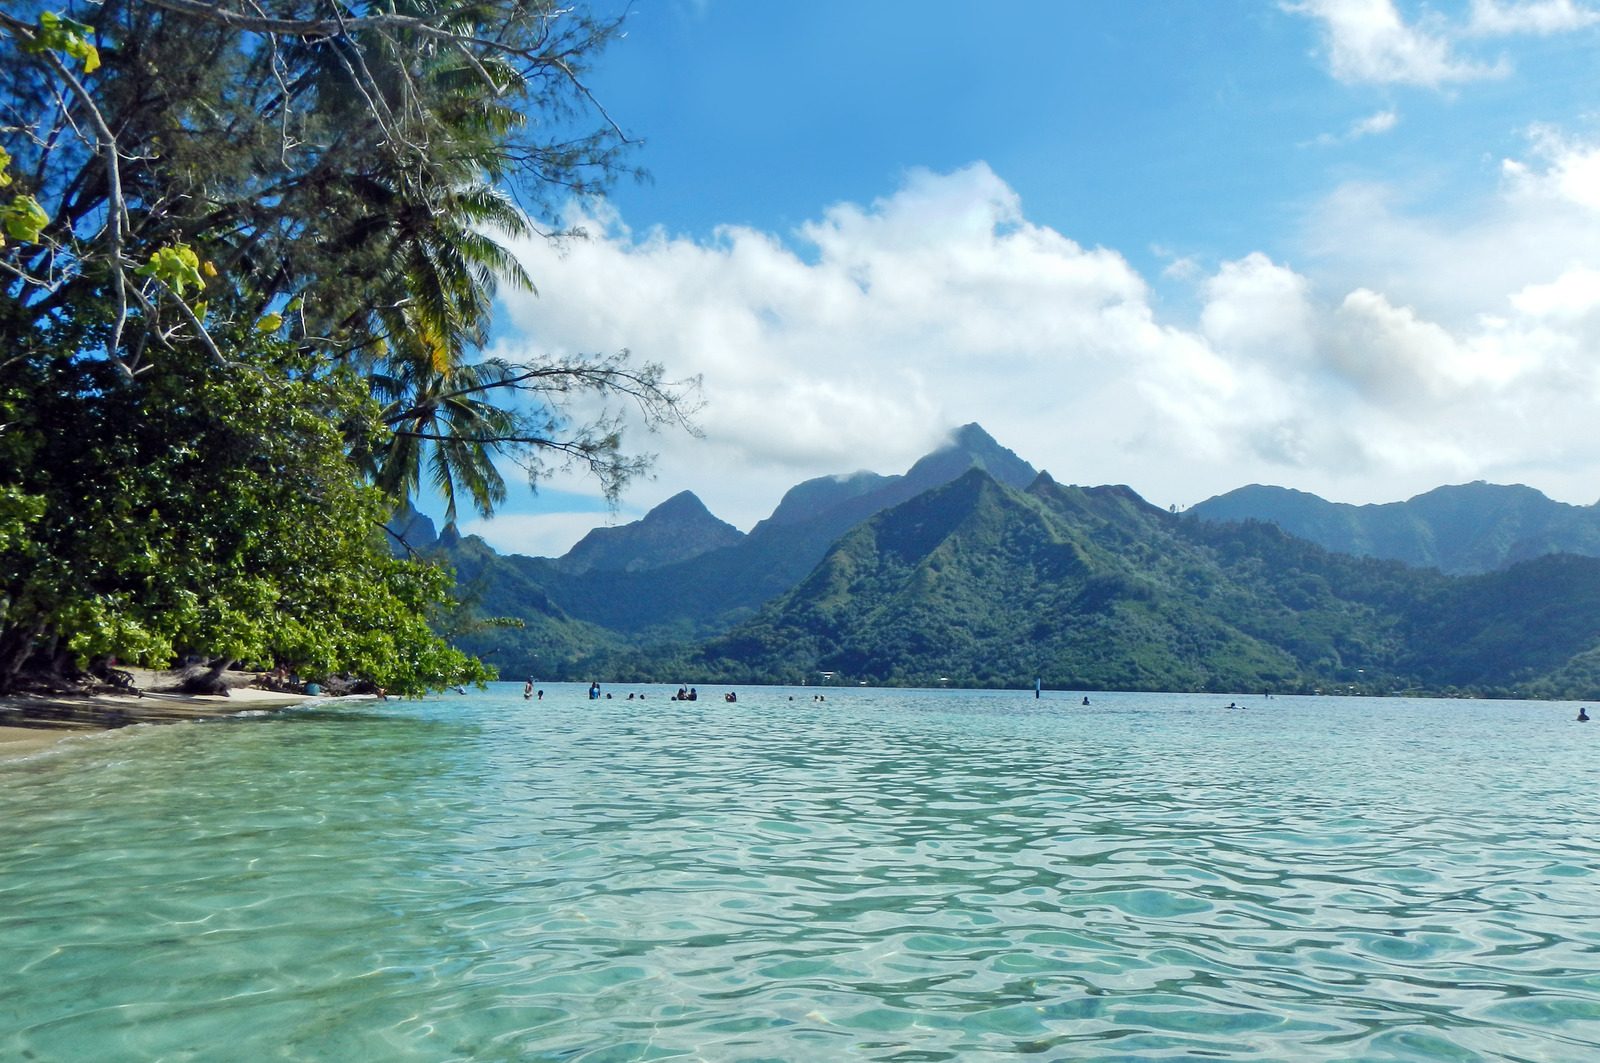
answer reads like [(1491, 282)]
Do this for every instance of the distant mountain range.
[(973, 568), (1466, 529)]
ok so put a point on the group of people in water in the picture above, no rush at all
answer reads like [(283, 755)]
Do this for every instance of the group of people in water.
[(691, 694), (595, 694)]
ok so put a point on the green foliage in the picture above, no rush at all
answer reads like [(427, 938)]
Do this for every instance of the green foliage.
[(505, 617), (56, 33), (350, 174), (232, 526), (178, 267), (23, 219), (182, 476)]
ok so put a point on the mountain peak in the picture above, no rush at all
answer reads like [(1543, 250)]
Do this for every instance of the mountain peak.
[(685, 505), (970, 446), (676, 530), (972, 434)]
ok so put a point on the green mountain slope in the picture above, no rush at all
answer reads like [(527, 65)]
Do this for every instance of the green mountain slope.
[(548, 644), (677, 530), (983, 585), (651, 603), (972, 570), (1463, 530)]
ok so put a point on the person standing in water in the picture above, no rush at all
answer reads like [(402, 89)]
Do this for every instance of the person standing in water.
[(1583, 714), (527, 690)]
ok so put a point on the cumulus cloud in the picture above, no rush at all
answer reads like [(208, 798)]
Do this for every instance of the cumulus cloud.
[(1571, 297), (1496, 18), (1258, 310), (1369, 43), (1559, 169), (860, 339)]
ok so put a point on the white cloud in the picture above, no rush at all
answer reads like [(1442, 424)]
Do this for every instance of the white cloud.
[(1415, 351), (1373, 124), (1571, 297), (1571, 170), (1369, 43), (1388, 353), (1259, 311), (1495, 18), (1453, 258), (898, 321)]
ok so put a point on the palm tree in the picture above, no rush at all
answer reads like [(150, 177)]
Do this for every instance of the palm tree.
[(432, 235), (442, 425)]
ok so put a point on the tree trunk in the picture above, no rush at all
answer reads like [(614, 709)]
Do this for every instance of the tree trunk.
[(207, 678), (16, 646)]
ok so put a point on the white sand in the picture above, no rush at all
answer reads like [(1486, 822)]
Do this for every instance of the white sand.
[(30, 722)]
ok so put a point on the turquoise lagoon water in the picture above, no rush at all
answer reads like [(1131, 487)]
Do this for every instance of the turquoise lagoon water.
[(889, 875)]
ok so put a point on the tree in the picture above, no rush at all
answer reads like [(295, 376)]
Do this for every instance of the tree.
[(335, 170), (230, 526), (208, 200)]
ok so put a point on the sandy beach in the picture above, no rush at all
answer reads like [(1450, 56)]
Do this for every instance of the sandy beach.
[(30, 722)]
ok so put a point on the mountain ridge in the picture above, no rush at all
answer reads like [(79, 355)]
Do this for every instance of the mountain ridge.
[(676, 530), (1461, 529), (973, 567)]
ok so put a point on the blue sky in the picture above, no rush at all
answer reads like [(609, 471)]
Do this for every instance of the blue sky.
[(1347, 246)]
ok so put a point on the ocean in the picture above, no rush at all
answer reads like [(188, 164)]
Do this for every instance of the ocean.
[(883, 875)]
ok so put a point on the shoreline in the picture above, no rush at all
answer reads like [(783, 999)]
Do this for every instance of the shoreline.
[(30, 723)]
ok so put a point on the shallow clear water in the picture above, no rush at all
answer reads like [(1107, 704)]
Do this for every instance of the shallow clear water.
[(889, 875)]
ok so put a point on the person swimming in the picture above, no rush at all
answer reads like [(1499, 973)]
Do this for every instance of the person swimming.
[(1583, 714)]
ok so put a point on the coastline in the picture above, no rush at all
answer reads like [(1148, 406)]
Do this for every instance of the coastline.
[(30, 723)]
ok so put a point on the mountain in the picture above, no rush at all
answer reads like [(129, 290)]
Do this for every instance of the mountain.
[(410, 531), (708, 592), (678, 529), (810, 497), (827, 507), (983, 584), (971, 568), (1462, 530), (506, 617), (1094, 588)]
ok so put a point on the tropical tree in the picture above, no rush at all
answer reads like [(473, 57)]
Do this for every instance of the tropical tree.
[(312, 196), (229, 527), (341, 170)]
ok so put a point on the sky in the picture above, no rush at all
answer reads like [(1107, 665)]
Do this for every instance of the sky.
[(1346, 246)]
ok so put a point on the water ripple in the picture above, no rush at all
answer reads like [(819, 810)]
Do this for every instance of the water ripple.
[(897, 876)]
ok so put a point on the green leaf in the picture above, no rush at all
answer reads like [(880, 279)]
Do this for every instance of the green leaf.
[(178, 267), (57, 33), (24, 219)]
